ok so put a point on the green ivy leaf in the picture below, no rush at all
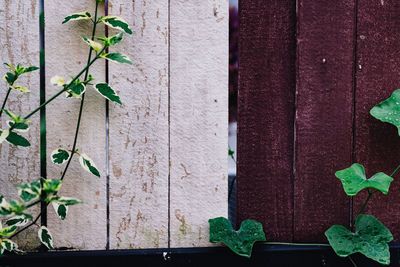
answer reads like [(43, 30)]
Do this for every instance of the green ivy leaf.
[(61, 210), (105, 90), (7, 244), (88, 164), (29, 69), (60, 156), (20, 89), (354, 180), (45, 237), (18, 221), (30, 191), (117, 57), (95, 45), (389, 110), (20, 127), (8, 231), (15, 139), (113, 40), (370, 238), (117, 23), (241, 242), (78, 16), (10, 78), (67, 201), (51, 186)]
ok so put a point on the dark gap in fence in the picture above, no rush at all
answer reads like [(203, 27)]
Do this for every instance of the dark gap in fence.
[(107, 140), (43, 156), (169, 123)]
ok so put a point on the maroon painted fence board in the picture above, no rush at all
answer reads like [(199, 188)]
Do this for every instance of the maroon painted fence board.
[(377, 143), (323, 115), (265, 123)]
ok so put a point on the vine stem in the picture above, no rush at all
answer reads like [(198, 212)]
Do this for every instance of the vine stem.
[(5, 101), (352, 261), (89, 63)]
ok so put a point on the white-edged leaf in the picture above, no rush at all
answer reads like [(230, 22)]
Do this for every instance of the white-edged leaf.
[(117, 57), (88, 164), (105, 90), (67, 201), (3, 135), (16, 139), (60, 209), (7, 244), (51, 186), (57, 80), (20, 88), (18, 221), (45, 237), (29, 191), (8, 231), (76, 90), (60, 156), (20, 127), (117, 23), (95, 45), (78, 16)]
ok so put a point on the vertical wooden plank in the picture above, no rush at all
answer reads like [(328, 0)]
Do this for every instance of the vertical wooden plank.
[(139, 129), (198, 118), (267, 51), (19, 39), (323, 115), (85, 225), (377, 143)]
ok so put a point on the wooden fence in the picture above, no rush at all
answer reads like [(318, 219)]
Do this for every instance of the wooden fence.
[(309, 72), (167, 142)]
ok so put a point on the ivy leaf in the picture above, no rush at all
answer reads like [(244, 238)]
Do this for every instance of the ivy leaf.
[(8, 231), (20, 127), (10, 78), (117, 57), (67, 201), (95, 45), (18, 221), (113, 40), (389, 110), (29, 69), (3, 135), (14, 139), (7, 244), (10, 66), (105, 90), (20, 89), (78, 16), (60, 156), (241, 242), (76, 89), (51, 186), (30, 191), (88, 164), (117, 23), (61, 210), (370, 238), (354, 180), (45, 237)]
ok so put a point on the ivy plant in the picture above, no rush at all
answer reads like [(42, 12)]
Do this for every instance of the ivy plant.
[(15, 215)]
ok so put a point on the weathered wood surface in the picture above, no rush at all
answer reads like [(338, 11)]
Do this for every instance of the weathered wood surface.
[(198, 118), (265, 124), (377, 143), (85, 225), (139, 129), (19, 40), (324, 106)]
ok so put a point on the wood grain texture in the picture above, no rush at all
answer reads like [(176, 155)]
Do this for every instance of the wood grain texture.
[(85, 225), (266, 110), (377, 143), (19, 39), (323, 116), (198, 118), (139, 129)]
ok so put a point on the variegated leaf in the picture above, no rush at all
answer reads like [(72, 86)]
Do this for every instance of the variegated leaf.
[(60, 209), (117, 57), (76, 90), (20, 127), (117, 23), (51, 186), (78, 16), (7, 244), (88, 164), (8, 231), (15, 139), (18, 221), (3, 135), (45, 237), (10, 78), (113, 40), (105, 90), (95, 45), (30, 191), (57, 80), (60, 156), (67, 201), (20, 88)]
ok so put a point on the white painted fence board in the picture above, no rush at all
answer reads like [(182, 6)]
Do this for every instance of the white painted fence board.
[(139, 129), (66, 55), (199, 118), (19, 39)]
